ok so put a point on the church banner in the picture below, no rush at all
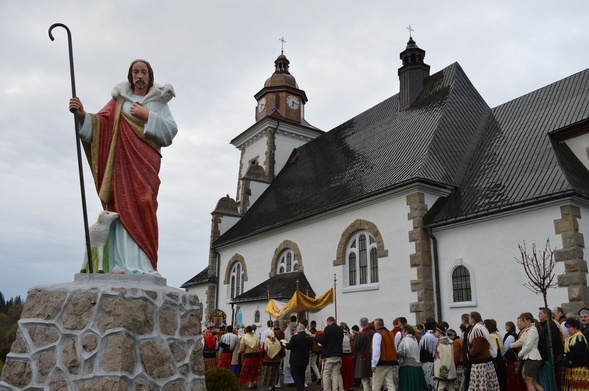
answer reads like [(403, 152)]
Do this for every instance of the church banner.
[(299, 302)]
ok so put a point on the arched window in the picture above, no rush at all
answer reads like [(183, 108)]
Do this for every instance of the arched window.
[(461, 288), (236, 281), (287, 262), (362, 260), (257, 317)]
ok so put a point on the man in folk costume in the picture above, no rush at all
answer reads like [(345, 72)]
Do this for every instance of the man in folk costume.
[(427, 351), (444, 366), (210, 346), (227, 344), (482, 372), (384, 357), (249, 346), (122, 143), (362, 346)]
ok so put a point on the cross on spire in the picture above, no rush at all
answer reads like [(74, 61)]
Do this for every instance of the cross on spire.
[(410, 30), (283, 42)]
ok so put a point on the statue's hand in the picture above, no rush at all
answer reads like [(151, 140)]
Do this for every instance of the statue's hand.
[(76, 104), (139, 111)]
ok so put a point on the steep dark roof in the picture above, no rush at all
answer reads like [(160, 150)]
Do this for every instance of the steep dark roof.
[(517, 162), (281, 287), (200, 278), (377, 151)]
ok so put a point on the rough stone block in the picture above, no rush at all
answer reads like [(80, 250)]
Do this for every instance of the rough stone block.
[(118, 354), (168, 319), (572, 239), (17, 373), (155, 360), (563, 254), (572, 279), (415, 198), (69, 357), (575, 265), (565, 225), (190, 324), (80, 310), (104, 384), (135, 315), (89, 342), (43, 335), (46, 361), (43, 305), (570, 210)]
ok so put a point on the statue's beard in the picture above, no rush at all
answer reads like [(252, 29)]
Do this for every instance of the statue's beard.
[(140, 84)]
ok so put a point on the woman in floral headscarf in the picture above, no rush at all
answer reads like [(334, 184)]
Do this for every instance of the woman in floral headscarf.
[(272, 352)]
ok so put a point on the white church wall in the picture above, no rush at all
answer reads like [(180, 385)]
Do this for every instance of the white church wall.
[(488, 248), (254, 150), (579, 146), (226, 223), (317, 240), (285, 143)]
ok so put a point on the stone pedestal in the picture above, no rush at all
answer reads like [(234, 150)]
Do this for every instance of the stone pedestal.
[(107, 332)]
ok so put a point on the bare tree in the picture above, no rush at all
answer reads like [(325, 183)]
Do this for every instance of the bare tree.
[(539, 268)]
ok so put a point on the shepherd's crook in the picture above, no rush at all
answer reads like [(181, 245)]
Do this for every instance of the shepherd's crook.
[(76, 126)]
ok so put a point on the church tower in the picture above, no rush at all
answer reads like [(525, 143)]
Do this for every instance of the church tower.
[(280, 127), (265, 147), (412, 74), (281, 94)]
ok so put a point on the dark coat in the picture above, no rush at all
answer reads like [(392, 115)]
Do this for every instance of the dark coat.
[(331, 340), (361, 347), (555, 333), (300, 348)]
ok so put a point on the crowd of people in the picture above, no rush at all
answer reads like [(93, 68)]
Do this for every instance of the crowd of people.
[(547, 353)]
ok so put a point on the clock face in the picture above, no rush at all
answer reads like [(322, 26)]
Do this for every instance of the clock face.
[(261, 104), (293, 102)]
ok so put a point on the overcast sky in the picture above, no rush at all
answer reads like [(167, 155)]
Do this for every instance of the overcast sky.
[(217, 55)]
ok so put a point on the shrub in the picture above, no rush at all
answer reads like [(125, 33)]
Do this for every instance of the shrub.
[(221, 379)]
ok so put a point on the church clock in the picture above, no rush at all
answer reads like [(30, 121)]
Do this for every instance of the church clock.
[(261, 104), (293, 102)]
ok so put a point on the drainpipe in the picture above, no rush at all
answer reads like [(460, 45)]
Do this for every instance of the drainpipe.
[(436, 274), (218, 279)]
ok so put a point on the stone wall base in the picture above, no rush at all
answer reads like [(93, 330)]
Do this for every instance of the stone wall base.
[(107, 332)]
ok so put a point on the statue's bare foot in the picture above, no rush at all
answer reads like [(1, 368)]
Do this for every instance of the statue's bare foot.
[(83, 271), (117, 272), (101, 271)]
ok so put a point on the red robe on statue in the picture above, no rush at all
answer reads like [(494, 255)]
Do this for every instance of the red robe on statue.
[(125, 165)]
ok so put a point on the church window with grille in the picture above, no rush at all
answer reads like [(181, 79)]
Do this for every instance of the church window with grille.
[(236, 281), (362, 260), (461, 284), (287, 262)]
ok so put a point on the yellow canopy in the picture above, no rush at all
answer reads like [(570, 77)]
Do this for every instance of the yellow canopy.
[(299, 302)]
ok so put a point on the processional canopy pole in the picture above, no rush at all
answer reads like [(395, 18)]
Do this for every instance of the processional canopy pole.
[(79, 150), (334, 295)]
